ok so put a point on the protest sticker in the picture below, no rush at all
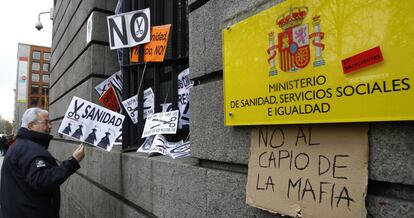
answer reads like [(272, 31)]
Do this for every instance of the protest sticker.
[(308, 170), (91, 123), (154, 51), (131, 105), (115, 79), (184, 87), (161, 123), (109, 99)]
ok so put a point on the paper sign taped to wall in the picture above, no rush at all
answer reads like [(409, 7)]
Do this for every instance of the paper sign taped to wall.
[(131, 105), (154, 51), (91, 123), (311, 170), (161, 123), (115, 79), (184, 87)]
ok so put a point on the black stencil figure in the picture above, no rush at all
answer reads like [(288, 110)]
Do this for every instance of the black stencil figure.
[(91, 137), (67, 129), (78, 132), (104, 143)]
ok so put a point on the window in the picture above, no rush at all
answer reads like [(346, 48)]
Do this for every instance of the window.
[(46, 67), (34, 90), (35, 77), (46, 56), (45, 78), (44, 102), (36, 55), (45, 90), (34, 101), (35, 66), (161, 77)]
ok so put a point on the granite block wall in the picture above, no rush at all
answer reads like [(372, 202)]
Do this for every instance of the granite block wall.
[(210, 183)]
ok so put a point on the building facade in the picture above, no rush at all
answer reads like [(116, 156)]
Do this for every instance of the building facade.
[(212, 182), (32, 81)]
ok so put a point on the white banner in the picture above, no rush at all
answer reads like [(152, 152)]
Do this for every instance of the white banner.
[(22, 81), (91, 123), (184, 87), (129, 29), (131, 105), (115, 79), (161, 123)]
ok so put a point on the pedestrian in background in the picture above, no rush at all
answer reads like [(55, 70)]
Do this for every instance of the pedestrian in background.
[(30, 176), (3, 143)]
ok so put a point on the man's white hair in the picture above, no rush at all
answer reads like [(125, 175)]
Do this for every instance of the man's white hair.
[(31, 115)]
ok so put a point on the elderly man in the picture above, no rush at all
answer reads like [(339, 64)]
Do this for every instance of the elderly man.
[(30, 176)]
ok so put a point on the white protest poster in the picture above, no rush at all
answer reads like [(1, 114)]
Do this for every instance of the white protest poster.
[(131, 105), (161, 123), (148, 102), (115, 79), (179, 149), (184, 87), (89, 26), (309, 170), (129, 29), (91, 123), (145, 147), (159, 145)]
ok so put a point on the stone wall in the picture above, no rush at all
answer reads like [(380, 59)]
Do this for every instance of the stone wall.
[(212, 182)]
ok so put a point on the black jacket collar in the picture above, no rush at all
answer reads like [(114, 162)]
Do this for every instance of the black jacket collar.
[(38, 137)]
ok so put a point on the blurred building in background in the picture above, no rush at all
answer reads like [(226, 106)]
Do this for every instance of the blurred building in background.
[(32, 80)]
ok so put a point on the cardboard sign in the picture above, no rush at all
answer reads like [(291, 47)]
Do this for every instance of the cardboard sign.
[(161, 123), (110, 100), (315, 171), (288, 69), (184, 87), (115, 79), (129, 29), (131, 105), (154, 51), (91, 123)]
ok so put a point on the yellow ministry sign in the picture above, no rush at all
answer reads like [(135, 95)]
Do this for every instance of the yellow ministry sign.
[(321, 62)]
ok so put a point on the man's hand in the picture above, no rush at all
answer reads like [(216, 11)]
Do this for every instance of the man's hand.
[(79, 153)]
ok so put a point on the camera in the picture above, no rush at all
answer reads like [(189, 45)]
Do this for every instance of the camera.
[(39, 25)]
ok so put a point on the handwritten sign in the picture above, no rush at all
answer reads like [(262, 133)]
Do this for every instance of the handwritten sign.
[(315, 171), (91, 123), (161, 123)]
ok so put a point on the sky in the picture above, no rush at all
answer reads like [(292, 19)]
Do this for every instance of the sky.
[(18, 25)]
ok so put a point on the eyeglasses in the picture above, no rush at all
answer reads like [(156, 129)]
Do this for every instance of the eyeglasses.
[(44, 122)]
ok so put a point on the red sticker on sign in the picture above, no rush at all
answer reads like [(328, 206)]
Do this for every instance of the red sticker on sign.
[(361, 60)]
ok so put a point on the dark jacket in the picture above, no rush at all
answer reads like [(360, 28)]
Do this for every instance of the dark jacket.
[(30, 177)]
